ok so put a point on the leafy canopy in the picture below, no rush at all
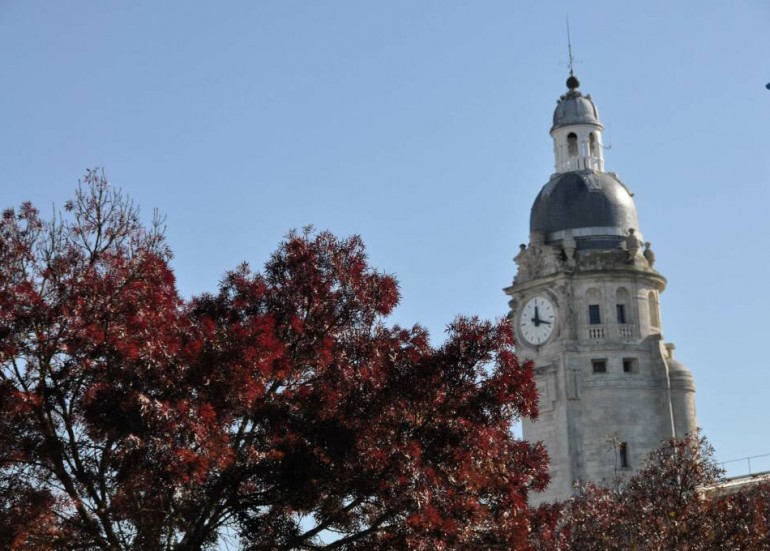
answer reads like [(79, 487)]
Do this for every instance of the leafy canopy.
[(281, 408), (676, 501)]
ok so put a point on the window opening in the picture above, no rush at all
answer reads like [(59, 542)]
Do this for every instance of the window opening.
[(572, 145), (599, 366), (621, 311), (629, 365), (594, 314), (623, 453)]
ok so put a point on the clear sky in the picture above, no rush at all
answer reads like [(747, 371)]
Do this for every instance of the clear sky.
[(423, 127)]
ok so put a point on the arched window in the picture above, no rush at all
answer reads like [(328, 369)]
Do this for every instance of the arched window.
[(592, 144), (652, 304), (594, 300), (621, 306), (572, 144)]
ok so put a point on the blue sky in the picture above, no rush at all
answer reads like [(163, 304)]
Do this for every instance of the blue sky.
[(423, 127)]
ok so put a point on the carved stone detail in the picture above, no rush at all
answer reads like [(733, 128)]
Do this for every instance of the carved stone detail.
[(648, 254), (537, 260), (632, 244)]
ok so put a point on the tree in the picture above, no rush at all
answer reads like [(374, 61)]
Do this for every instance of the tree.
[(670, 504), (281, 407)]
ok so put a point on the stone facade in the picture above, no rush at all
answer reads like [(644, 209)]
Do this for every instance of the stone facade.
[(610, 389)]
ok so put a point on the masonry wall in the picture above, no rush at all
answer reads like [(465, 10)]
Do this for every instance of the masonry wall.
[(589, 416)]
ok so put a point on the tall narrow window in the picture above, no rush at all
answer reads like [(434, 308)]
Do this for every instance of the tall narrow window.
[(652, 303), (594, 314), (621, 311), (572, 144), (592, 144), (623, 453)]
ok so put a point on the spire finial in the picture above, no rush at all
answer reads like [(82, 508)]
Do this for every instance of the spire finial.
[(572, 81), (569, 49)]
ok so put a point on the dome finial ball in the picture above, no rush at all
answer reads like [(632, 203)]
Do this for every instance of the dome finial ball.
[(572, 82)]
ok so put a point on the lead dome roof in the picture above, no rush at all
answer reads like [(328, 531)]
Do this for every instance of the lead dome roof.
[(583, 199), (575, 108)]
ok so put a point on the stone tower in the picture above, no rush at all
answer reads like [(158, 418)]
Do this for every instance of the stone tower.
[(584, 307)]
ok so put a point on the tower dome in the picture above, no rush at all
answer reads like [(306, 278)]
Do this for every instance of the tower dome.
[(592, 205), (575, 108), (596, 207), (577, 131)]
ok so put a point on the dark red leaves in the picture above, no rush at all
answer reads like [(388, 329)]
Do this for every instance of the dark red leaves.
[(674, 502), (282, 407)]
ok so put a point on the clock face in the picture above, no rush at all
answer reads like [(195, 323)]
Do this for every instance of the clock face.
[(537, 320)]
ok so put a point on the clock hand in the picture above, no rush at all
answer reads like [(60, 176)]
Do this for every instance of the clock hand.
[(536, 319)]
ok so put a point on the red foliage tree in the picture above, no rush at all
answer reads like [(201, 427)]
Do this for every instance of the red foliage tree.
[(673, 503), (280, 408)]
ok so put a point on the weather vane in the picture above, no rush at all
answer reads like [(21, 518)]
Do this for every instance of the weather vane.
[(569, 49), (572, 81)]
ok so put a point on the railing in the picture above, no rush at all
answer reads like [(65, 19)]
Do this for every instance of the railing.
[(744, 466), (596, 332), (601, 331)]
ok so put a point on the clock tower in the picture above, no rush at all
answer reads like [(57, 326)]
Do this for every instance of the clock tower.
[(585, 309)]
